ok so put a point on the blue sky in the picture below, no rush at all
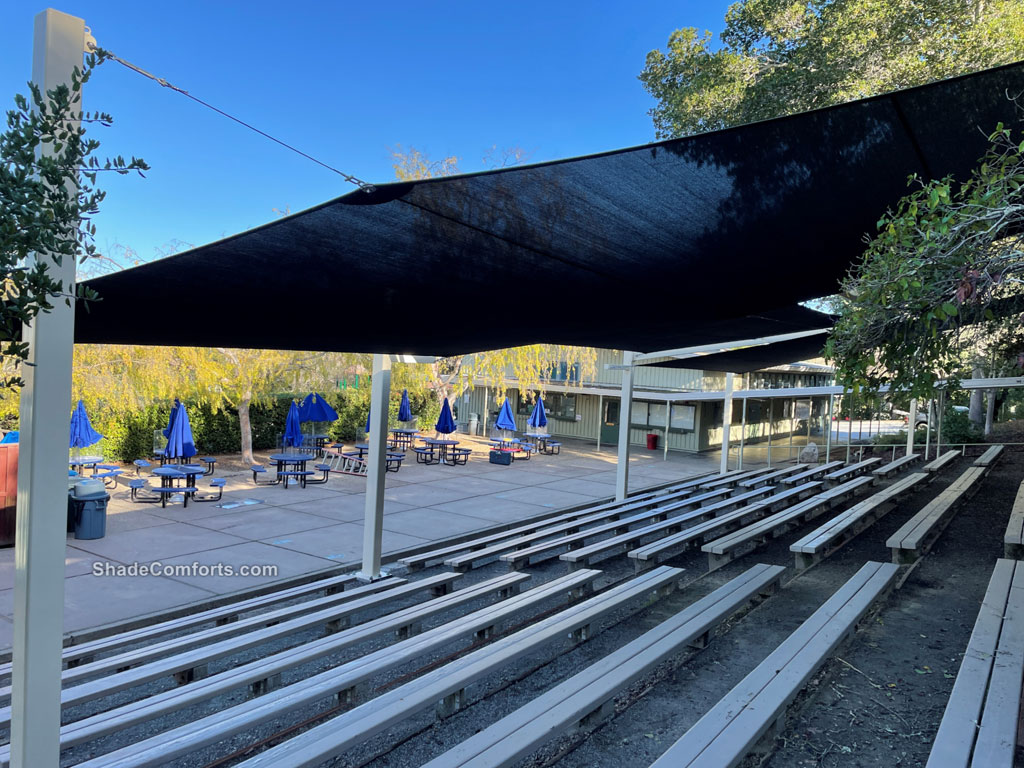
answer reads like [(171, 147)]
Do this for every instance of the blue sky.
[(345, 82)]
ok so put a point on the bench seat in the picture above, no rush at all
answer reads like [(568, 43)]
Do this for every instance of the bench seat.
[(579, 557), (657, 551), (979, 725), (845, 473), (990, 456), (733, 477), (732, 545), (768, 477), (733, 728), (812, 474), (536, 551), (939, 463), (584, 699), (1013, 539), (896, 466), (915, 537), (260, 673), (447, 684), (833, 534)]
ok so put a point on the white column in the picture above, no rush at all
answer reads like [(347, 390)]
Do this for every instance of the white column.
[(911, 425), (42, 492), (625, 418), (743, 434), (600, 419), (668, 424), (928, 431), (373, 520), (828, 422), (771, 416), (726, 421)]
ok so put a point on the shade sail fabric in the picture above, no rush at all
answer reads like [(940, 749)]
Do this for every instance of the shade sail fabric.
[(662, 244), (315, 408), (445, 423), (505, 419), (82, 433), (538, 417), (753, 358), (404, 409), (180, 443), (292, 427)]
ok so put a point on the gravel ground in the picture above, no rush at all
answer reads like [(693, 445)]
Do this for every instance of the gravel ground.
[(878, 704)]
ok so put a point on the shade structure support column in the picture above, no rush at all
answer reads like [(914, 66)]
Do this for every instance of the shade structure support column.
[(726, 421), (792, 425), (373, 520), (625, 419), (828, 423), (938, 433), (911, 425), (928, 431), (42, 502), (771, 419), (743, 434), (600, 419), (668, 424)]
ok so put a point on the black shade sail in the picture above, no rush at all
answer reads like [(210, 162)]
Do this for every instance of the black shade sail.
[(752, 358), (642, 249)]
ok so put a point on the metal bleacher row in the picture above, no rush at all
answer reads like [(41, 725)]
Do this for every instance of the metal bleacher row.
[(496, 621)]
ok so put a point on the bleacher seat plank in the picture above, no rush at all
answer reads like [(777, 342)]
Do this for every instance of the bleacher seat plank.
[(358, 725), (1013, 539), (845, 473), (733, 478), (576, 701), (990, 456), (727, 548), (655, 552), (979, 726), (724, 736), (647, 522), (812, 474), (153, 752), (939, 463), (844, 527), (915, 537), (769, 477), (896, 466)]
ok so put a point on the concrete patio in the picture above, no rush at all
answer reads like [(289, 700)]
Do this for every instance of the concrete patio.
[(306, 530)]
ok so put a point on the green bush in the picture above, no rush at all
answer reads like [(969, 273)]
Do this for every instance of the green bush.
[(957, 428)]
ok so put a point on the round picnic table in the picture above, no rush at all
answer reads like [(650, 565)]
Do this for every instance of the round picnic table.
[(84, 461), (443, 445)]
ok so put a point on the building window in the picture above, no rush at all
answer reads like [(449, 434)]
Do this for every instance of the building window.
[(647, 414)]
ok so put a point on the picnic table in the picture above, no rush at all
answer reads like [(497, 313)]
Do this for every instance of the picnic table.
[(85, 461), (442, 446), (285, 460), (403, 437), (542, 439)]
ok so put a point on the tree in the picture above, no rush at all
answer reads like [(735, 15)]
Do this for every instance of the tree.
[(46, 205), (779, 57), (940, 289)]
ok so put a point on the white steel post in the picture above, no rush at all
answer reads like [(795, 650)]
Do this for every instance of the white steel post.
[(743, 434), (668, 423), (373, 520), (771, 417), (42, 494), (792, 425), (600, 419), (928, 431), (911, 426), (726, 421), (828, 437), (625, 419), (938, 434)]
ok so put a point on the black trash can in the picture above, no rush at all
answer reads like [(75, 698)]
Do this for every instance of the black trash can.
[(90, 515)]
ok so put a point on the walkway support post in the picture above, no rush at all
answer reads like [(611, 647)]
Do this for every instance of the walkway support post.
[(373, 521), (828, 434), (743, 434), (600, 418), (911, 425), (42, 503), (771, 417), (938, 434), (668, 424), (726, 421), (625, 419)]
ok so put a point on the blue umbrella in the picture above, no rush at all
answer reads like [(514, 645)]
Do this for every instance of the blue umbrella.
[(538, 418), (82, 433), (404, 411), (179, 440), (315, 408), (505, 419), (170, 421), (445, 423), (292, 429), (367, 421)]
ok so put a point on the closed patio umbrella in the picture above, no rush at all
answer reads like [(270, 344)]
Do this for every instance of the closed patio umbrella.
[(404, 410), (505, 419), (538, 418), (82, 434), (180, 444), (315, 408), (445, 423), (292, 427)]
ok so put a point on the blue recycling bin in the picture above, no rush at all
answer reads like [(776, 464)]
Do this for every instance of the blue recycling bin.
[(90, 515)]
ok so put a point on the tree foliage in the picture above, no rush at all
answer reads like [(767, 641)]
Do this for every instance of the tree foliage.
[(779, 57), (941, 282), (48, 196)]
